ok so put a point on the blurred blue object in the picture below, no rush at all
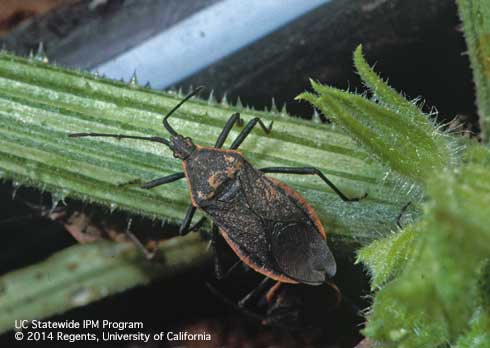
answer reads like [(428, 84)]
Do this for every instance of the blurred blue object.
[(202, 39)]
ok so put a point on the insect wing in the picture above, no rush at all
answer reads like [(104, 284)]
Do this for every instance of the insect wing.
[(301, 253)]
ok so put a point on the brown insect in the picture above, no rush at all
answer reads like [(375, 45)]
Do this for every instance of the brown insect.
[(269, 226)]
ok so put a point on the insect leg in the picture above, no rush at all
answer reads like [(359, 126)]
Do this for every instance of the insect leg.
[(235, 118), (264, 284), (218, 245), (248, 128), (232, 304), (271, 293), (186, 227), (338, 293), (399, 217), (280, 318), (161, 181), (148, 254), (218, 262), (275, 319), (312, 171)]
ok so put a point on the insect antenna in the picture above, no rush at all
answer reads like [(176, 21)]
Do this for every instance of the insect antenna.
[(120, 136), (154, 139), (189, 96)]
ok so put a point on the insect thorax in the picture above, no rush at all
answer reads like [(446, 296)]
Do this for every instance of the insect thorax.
[(212, 172)]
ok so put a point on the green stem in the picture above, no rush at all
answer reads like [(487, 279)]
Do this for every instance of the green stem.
[(85, 273), (40, 104), (475, 15)]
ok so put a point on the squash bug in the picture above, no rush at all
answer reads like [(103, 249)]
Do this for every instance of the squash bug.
[(270, 227)]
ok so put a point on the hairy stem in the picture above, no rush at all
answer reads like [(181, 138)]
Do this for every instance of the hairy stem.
[(475, 15), (40, 104), (85, 273)]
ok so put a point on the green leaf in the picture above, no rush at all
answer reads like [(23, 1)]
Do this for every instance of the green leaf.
[(484, 286), (478, 335), (435, 297), (386, 258), (393, 324), (386, 95), (392, 129)]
